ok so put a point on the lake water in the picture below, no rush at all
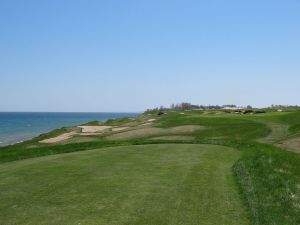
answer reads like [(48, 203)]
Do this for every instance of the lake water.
[(19, 126)]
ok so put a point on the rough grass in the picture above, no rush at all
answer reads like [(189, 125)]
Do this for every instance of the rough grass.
[(292, 144), (154, 131), (278, 132), (270, 182), (92, 123), (156, 184), (119, 121), (225, 126), (295, 129), (173, 138), (268, 177)]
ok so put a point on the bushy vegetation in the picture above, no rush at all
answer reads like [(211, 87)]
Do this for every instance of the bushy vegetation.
[(118, 121), (226, 108), (92, 123)]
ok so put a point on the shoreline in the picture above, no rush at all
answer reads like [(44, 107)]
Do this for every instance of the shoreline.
[(18, 127)]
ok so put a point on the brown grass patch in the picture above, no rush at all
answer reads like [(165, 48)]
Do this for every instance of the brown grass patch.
[(292, 144), (59, 138), (278, 133), (115, 129), (154, 131)]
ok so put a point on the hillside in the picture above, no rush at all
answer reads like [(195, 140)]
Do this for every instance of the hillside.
[(177, 167)]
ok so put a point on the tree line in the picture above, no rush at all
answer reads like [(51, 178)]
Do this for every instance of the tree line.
[(189, 106)]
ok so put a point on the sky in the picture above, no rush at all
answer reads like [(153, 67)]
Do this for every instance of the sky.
[(130, 55)]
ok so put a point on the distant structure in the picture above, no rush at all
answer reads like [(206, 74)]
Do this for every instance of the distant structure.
[(232, 108), (186, 106)]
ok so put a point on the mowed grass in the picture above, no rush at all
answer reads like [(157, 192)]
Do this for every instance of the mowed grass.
[(218, 126), (155, 131), (158, 184), (146, 184)]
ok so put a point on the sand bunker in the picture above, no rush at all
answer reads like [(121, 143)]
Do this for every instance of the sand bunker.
[(119, 128), (59, 138), (96, 130), (85, 131), (93, 129), (154, 131)]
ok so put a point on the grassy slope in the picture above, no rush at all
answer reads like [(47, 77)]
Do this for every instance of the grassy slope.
[(268, 176), (223, 126), (154, 184), (270, 181), (290, 119)]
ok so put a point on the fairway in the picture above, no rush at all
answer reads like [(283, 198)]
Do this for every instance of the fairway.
[(147, 184)]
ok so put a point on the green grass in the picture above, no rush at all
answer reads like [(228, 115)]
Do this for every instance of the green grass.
[(224, 126), (295, 129), (267, 177), (21, 151), (279, 132), (119, 121), (92, 123), (151, 184), (270, 180)]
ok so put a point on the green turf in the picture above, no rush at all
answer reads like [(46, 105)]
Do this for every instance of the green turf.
[(267, 176), (270, 180), (219, 126), (146, 184)]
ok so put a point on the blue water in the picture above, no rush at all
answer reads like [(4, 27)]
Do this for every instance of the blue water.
[(19, 126)]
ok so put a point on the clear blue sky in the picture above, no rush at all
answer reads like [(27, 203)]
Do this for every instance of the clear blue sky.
[(60, 55)]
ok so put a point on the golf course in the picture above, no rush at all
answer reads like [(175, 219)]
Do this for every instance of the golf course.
[(189, 167), (149, 112)]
